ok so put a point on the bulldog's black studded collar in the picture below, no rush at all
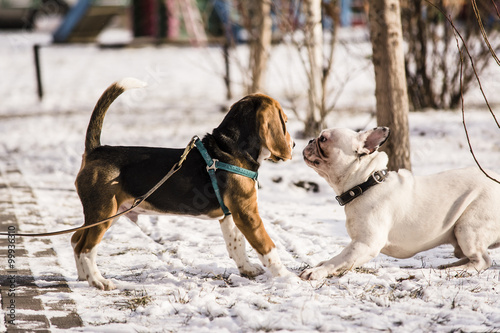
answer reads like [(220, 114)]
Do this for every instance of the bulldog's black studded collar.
[(376, 178)]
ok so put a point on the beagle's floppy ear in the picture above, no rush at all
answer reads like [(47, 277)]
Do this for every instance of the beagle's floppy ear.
[(371, 140), (272, 129)]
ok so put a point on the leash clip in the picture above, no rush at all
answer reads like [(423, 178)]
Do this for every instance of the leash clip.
[(212, 167)]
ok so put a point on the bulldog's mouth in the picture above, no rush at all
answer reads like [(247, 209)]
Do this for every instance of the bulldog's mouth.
[(308, 161), (313, 148)]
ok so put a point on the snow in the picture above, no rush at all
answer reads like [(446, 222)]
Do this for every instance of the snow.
[(173, 273)]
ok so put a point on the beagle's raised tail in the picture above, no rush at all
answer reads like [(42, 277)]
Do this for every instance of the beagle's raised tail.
[(93, 137)]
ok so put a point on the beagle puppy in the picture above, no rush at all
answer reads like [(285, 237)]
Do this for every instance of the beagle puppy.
[(111, 177)]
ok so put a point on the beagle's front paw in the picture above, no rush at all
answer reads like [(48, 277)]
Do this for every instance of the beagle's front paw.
[(272, 262), (283, 272), (101, 283)]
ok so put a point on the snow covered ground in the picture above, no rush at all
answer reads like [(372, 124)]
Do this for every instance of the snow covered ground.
[(173, 273)]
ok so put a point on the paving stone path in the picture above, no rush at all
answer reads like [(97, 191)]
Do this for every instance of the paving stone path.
[(20, 294)]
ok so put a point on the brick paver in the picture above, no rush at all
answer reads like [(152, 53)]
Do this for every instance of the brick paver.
[(20, 294)]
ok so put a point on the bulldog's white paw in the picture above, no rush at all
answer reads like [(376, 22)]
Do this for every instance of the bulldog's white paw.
[(315, 273)]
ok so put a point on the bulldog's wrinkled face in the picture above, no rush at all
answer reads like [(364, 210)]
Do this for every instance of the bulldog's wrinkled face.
[(336, 151)]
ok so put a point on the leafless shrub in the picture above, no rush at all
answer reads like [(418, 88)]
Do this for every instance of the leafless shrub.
[(432, 63)]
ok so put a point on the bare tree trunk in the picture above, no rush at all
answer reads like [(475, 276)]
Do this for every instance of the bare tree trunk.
[(391, 91), (261, 44), (313, 35)]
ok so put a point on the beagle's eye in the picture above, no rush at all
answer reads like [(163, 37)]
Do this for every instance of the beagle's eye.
[(322, 139)]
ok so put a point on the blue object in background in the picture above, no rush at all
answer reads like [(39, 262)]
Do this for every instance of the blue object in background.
[(75, 14), (345, 13)]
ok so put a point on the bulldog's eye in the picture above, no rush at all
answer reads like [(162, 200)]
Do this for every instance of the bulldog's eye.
[(311, 141), (316, 162), (322, 139)]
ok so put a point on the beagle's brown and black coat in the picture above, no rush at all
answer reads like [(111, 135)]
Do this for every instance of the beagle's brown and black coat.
[(112, 176)]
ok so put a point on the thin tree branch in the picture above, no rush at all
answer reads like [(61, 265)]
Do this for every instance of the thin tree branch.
[(483, 32), (494, 4)]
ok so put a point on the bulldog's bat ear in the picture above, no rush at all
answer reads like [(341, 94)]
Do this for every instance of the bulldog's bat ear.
[(371, 140)]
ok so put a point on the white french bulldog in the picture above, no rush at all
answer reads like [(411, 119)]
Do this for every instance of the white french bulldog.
[(398, 214)]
